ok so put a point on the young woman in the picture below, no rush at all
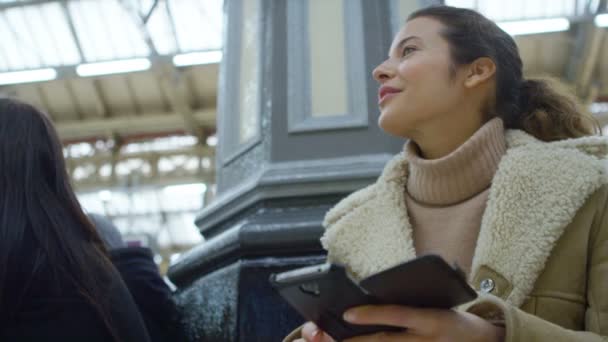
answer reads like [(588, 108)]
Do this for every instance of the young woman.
[(56, 282), (500, 175)]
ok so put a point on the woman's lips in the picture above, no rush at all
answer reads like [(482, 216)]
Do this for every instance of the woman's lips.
[(386, 92), (386, 98)]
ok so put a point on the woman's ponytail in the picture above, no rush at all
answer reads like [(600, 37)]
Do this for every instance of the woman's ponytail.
[(549, 112)]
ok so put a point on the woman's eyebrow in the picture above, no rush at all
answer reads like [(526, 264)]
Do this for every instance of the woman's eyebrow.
[(404, 41)]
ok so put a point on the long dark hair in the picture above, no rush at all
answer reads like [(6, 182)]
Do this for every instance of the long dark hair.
[(40, 218), (538, 106)]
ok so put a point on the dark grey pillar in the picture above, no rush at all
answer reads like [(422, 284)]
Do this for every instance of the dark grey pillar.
[(297, 133)]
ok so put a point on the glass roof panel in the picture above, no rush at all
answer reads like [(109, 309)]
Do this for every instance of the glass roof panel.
[(519, 9), (94, 44), (24, 46), (56, 22), (198, 24), (51, 34), (112, 35), (161, 29), (10, 2), (11, 54), (36, 35)]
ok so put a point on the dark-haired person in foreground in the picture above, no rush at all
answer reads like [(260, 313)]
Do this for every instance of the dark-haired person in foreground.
[(501, 174), (56, 281)]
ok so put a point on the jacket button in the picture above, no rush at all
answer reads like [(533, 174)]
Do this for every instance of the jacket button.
[(486, 285)]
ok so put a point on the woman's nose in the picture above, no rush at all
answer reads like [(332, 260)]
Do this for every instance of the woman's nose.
[(383, 72)]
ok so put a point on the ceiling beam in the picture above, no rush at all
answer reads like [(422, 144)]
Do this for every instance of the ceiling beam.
[(140, 21), (74, 99), (15, 4), (172, 26), (131, 124), (90, 185), (69, 71), (101, 105), (196, 150), (171, 80), (44, 100), (590, 64), (173, 84), (95, 181), (584, 59), (72, 27), (133, 95)]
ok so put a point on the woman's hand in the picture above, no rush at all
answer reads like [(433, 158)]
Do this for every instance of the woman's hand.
[(421, 324), (424, 324)]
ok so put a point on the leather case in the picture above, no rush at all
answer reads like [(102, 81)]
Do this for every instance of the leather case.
[(322, 293)]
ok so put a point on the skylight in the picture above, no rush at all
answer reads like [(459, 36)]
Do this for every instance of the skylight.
[(515, 10), (72, 32)]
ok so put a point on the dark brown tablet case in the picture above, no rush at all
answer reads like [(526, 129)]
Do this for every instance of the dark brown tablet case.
[(322, 293)]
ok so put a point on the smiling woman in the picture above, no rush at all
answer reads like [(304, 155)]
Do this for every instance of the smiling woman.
[(426, 70), (500, 175)]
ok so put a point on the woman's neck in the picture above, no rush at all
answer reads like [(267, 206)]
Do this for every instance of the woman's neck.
[(442, 138), (461, 174)]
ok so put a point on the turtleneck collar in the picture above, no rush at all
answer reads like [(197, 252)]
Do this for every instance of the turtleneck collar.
[(462, 174)]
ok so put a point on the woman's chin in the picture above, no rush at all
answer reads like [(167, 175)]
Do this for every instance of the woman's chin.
[(383, 120), (390, 125)]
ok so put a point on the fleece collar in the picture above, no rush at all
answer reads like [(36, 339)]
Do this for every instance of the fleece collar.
[(535, 193)]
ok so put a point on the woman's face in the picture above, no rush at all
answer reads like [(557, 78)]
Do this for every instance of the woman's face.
[(417, 89)]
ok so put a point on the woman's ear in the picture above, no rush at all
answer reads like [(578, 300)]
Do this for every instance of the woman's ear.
[(481, 70)]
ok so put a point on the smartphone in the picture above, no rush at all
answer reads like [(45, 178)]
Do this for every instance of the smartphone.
[(322, 293)]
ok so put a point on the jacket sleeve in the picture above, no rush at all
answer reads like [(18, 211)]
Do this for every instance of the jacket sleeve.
[(150, 293), (522, 326)]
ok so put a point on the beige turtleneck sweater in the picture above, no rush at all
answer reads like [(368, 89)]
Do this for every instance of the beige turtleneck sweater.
[(446, 197)]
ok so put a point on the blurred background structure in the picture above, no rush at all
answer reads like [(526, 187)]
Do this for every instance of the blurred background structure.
[(132, 87), (181, 153)]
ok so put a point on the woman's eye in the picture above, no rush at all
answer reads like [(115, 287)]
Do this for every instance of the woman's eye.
[(407, 50)]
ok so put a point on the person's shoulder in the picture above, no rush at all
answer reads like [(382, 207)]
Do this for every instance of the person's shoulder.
[(394, 170), (595, 146), (585, 157), (348, 204)]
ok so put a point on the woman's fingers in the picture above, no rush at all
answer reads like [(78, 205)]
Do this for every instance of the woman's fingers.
[(423, 324), (312, 333), (394, 315), (386, 337), (309, 331)]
